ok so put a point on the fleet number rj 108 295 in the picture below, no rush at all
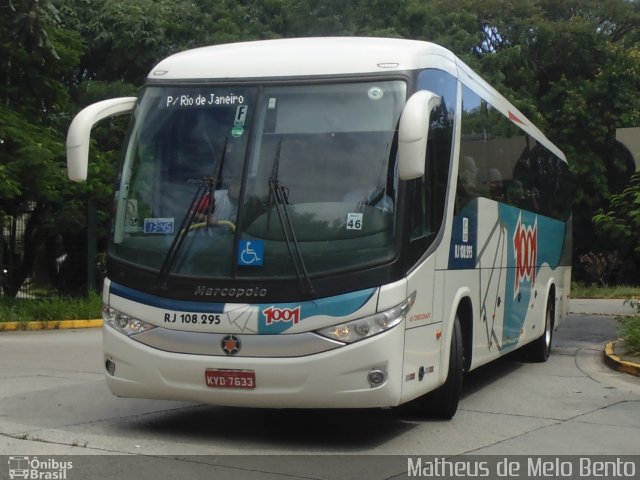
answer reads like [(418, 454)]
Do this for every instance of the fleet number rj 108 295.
[(202, 318)]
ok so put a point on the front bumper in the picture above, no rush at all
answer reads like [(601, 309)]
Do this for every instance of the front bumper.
[(332, 379)]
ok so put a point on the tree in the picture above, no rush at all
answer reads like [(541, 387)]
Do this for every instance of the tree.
[(572, 67), (620, 224), (36, 55)]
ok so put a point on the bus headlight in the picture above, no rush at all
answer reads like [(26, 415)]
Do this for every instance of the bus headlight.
[(366, 327), (124, 323)]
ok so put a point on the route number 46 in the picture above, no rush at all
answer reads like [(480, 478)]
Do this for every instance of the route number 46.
[(354, 221)]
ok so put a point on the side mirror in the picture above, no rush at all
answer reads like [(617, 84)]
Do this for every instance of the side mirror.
[(413, 133), (79, 133)]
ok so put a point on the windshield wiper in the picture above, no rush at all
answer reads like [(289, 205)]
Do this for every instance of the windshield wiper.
[(279, 194), (205, 190)]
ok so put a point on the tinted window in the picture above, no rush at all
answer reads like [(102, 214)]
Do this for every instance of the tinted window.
[(427, 195), (216, 181), (501, 162)]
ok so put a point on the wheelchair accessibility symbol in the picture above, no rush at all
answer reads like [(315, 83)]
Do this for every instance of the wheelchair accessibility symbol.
[(251, 253)]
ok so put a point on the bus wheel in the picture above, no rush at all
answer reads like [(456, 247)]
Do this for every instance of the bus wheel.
[(443, 402), (540, 349)]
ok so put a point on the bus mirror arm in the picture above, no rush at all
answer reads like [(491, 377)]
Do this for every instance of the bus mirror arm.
[(413, 133), (79, 134)]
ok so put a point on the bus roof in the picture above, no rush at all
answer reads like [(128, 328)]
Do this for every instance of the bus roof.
[(330, 56), (298, 57)]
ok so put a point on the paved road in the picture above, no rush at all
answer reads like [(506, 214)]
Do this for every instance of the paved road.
[(53, 401), (600, 307)]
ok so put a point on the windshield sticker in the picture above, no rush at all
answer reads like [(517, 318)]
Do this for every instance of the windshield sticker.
[(251, 253), (237, 132), (158, 225), (354, 221), (131, 216), (209, 99), (375, 93), (272, 103), (241, 116)]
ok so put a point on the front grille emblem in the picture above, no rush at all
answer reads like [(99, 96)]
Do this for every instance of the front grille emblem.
[(230, 344)]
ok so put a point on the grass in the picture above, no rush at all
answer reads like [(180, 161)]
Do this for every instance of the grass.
[(25, 310), (630, 331), (580, 290), (629, 326)]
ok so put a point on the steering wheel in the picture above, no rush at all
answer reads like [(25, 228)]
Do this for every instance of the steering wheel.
[(218, 223)]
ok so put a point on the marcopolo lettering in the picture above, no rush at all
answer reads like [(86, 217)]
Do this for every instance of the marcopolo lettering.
[(255, 292)]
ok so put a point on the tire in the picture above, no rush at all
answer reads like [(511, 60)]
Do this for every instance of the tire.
[(443, 402), (539, 349)]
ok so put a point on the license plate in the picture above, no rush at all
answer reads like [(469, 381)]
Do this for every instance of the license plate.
[(230, 378)]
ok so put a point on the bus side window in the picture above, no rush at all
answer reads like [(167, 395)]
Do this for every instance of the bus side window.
[(427, 195), (473, 169)]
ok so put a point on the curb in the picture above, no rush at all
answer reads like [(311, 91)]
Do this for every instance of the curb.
[(616, 363), (49, 325)]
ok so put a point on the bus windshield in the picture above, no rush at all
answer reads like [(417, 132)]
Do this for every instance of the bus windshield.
[(260, 181)]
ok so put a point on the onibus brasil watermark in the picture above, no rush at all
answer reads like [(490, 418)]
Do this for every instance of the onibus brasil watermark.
[(34, 468), (524, 467)]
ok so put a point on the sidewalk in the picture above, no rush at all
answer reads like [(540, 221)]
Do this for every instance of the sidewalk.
[(614, 354)]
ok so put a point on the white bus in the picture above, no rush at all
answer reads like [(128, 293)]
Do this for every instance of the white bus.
[(326, 222)]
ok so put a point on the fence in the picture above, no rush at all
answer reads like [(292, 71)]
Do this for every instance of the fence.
[(38, 262)]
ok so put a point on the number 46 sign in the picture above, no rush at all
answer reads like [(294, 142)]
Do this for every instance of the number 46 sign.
[(354, 221)]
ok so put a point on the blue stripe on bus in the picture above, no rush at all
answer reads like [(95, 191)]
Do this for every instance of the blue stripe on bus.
[(165, 303), (336, 306), (548, 251), (541, 239)]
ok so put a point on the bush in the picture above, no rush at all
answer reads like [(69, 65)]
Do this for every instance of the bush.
[(630, 329), (601, 266), (580, 290), (25, 310)]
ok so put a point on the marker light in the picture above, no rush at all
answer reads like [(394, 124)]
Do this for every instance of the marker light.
[(124, 323), (375, 377), (366, 327), (110, 366)]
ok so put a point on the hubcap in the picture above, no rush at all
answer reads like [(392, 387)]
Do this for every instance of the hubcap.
[(547, 330)]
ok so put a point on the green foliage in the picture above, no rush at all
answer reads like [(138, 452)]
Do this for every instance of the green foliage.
[(572, 66), (62, 308), (581, 290), (124, 38), (630, 330), (621, 222)]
